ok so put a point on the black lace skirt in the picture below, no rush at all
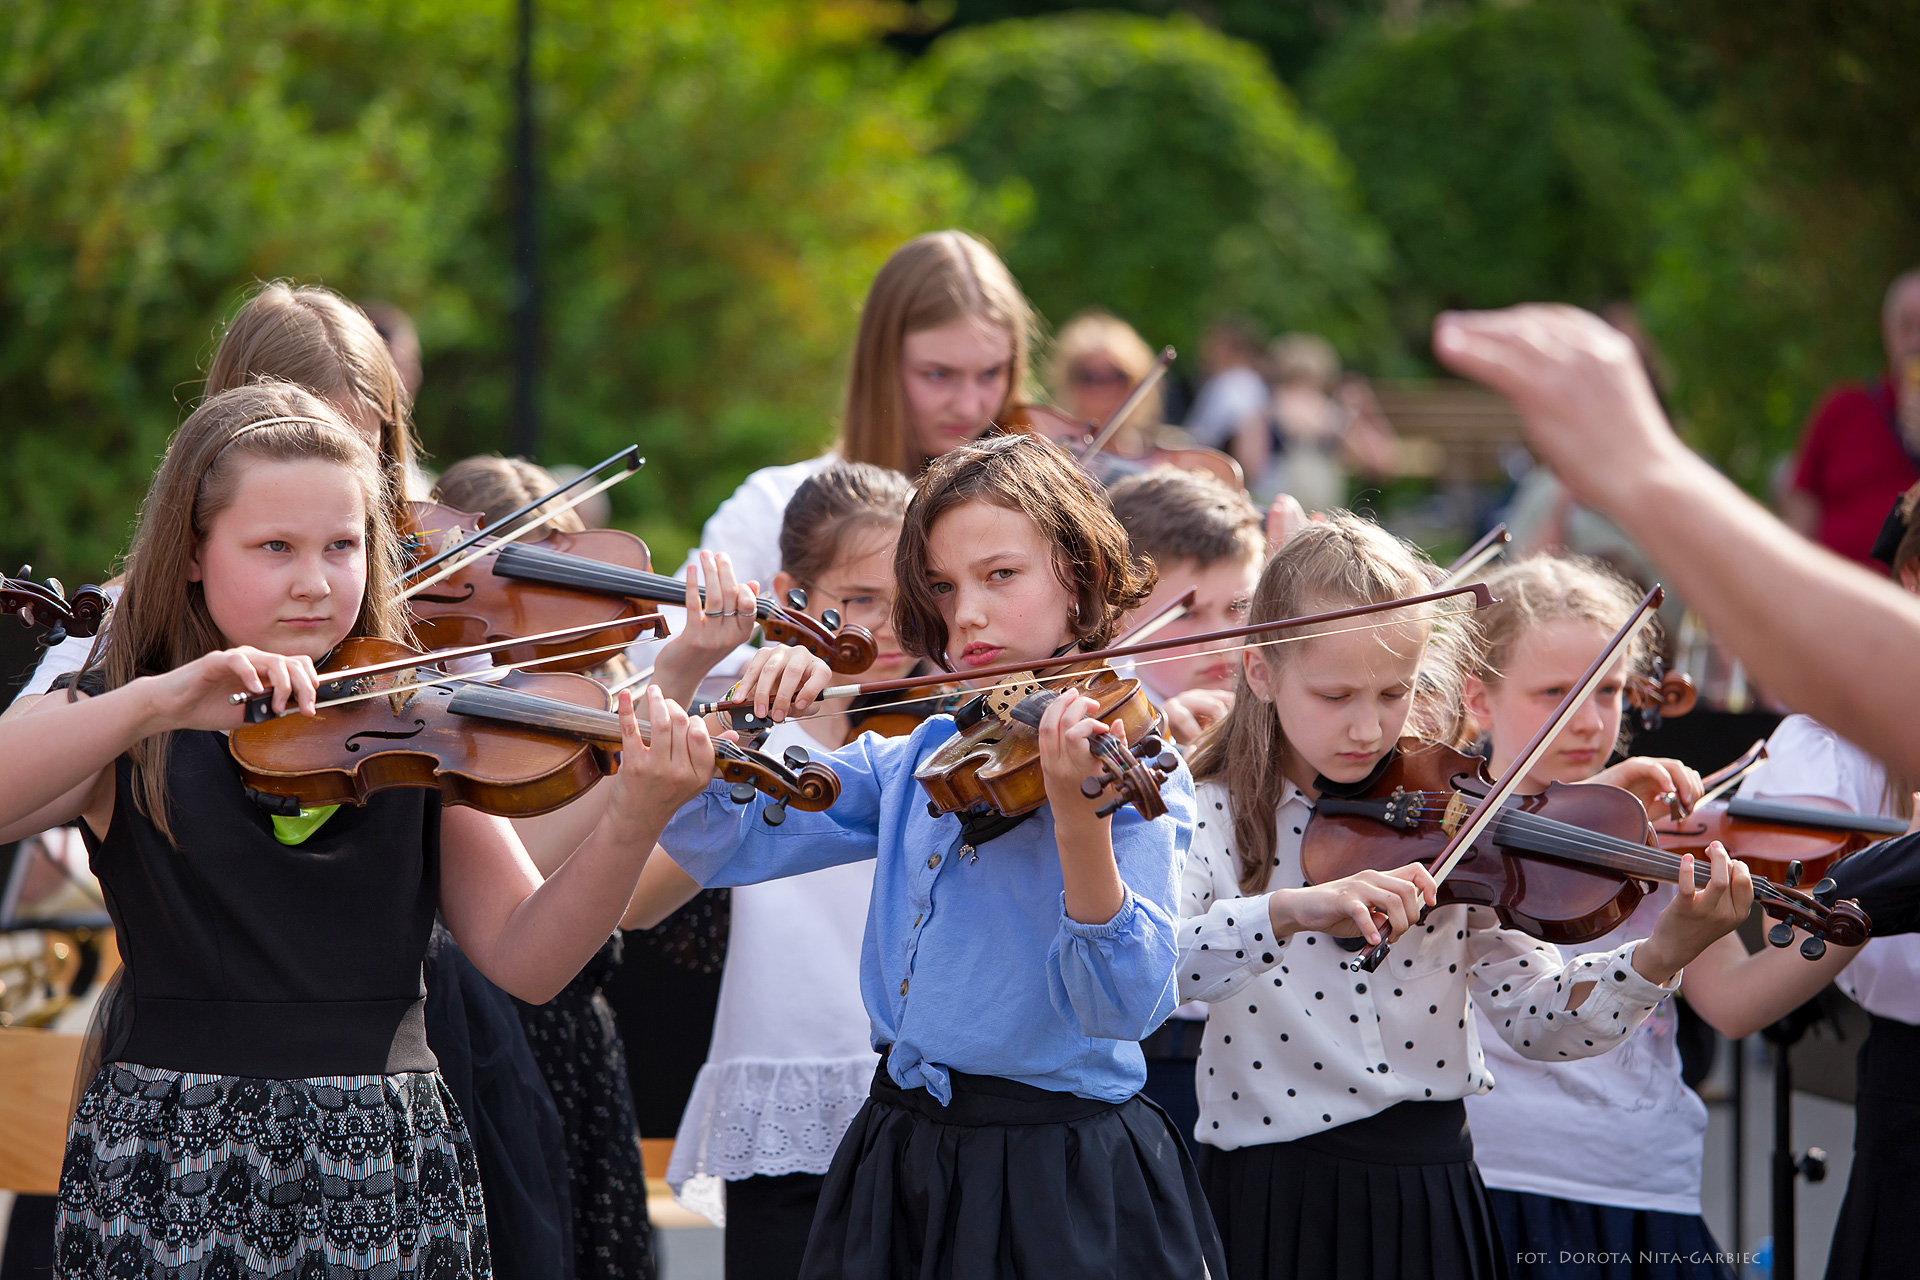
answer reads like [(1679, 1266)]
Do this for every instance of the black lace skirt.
[(197, 1177), (1395, 1194), (1010, 1181)]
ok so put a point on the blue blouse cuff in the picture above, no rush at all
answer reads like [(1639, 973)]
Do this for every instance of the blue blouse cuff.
[(1122, 921)]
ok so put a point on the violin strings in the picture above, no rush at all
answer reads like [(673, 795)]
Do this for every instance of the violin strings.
[(480, 549), (1655, 864), (476, 677), (934, 679)]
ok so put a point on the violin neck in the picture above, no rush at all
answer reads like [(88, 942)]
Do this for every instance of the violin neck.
[(511, 706), (1794, 815), (581, 573)]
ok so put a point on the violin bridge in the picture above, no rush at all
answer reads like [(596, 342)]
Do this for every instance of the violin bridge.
[(1010, 693), (1458, 811), (402, 697)]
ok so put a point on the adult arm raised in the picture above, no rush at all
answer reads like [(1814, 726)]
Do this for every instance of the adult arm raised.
[(1823, 635)]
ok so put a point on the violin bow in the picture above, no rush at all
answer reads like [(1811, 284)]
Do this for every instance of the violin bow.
[(1474, 557), (1478, 590), (1175, 611), (1140, 389), (468, 549), (481, 677), (258, 702), (1488, 809)]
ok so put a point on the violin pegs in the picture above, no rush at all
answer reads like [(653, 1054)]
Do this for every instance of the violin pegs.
[(1167, 762), (1824, 891), (1795, 871), (53, 585), (796, 757), (26, 572), (1814, 947), (1092, 786), (54, 636), (741, 793), (1148, 746), (831, 618), (774, 814), (796, 598), (933, 809), (1111, 807), (1780, 935)]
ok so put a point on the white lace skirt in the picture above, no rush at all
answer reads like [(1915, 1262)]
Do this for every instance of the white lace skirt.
[(758, 1116)]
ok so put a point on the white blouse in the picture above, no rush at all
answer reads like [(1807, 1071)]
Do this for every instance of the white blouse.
[(1805, 758), (791, 1059), (747, 527), (1296, 1044)]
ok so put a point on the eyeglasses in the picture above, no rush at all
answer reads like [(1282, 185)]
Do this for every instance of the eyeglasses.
[(862, 610), (1082, 376)]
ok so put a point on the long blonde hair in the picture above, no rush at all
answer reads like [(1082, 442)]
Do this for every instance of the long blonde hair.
[(1335, 564), (930, 281), (310, 335), (1549, 588), (161, 620)]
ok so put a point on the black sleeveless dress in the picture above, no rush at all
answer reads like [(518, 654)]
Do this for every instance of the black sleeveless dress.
[(268, 1105)]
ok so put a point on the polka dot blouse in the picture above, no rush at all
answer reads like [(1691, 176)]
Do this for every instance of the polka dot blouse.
[(1296, 1044)]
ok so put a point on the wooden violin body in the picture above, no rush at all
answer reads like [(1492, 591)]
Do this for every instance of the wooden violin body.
[(1772, 838), (476, 605), (1401, 819), (526, 746), (995, 759), (1566, 865)]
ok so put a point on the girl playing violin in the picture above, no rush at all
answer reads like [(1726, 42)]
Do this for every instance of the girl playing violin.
[(1010, 965), (1602, 1155), (790, 1062), (312, 336), (1330, 1099), (268, 1101), (942, 354)]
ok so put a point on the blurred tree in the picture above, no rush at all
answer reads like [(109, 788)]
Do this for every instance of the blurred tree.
[(723, 180), (1513, 153), (1167, 176)]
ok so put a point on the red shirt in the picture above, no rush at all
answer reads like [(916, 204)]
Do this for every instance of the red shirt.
[(1854, 464)]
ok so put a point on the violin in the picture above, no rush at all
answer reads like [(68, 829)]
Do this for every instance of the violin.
[(1659, 694), (548, 581), (1566, 865), (897, 715), (995, 758), (1072, 433), (47, 606), (526, 746)]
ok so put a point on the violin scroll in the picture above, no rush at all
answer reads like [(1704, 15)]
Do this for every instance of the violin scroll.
[(1660, 694), (795, 781), (1134, 774), (47, 606)]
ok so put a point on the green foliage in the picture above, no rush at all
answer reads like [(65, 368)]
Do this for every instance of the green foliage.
[(1514, 153), (1168, 175), (721, 183)]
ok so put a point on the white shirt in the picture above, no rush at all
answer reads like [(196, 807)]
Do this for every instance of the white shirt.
[(69, 655), (747, 527), (1805, 758), (1296, 1044), (1621, 1129), (791, 1059), (1224, 401)]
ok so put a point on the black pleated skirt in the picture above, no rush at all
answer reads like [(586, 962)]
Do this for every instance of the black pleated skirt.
[(1395, 1196), (1878, 1234), (1547, 1238), (1010, 1181)]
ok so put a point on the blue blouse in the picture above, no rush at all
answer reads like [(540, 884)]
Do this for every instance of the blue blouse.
[(970, 962)]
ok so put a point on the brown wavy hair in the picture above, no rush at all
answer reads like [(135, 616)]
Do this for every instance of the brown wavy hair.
[(1335, 564), (161, 620), (1036, 478)]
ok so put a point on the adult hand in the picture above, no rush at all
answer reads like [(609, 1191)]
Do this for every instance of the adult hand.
[(1582, 393)]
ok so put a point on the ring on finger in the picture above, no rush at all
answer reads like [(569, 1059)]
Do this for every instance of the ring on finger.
[(716, 613)]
